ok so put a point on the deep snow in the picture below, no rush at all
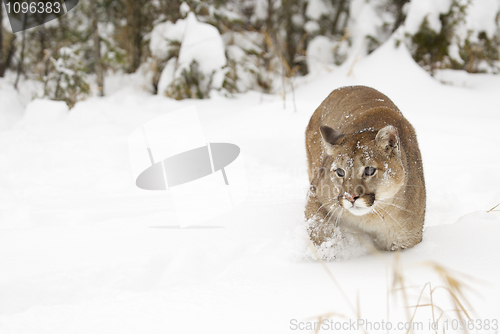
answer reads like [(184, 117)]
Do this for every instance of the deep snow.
[(83, 251)]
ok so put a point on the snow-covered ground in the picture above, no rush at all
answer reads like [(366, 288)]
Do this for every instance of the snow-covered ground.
[(83, 251)]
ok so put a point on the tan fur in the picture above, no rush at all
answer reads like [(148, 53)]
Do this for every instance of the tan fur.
[(374, 134)]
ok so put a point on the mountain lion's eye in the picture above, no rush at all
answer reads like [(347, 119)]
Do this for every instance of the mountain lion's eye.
[(340, 172), (369, 171)]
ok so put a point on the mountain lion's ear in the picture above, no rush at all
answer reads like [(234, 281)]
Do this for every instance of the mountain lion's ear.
[(388, 140), (330, 137)]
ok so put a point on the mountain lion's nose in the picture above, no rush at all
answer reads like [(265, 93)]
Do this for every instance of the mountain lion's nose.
[(350, 198)]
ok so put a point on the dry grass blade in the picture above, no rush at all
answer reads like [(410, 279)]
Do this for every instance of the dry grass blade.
[(455, 288), (433, 306), (332, 277), (324, 316), (399, 281), (355, 310), (456, 300), (493, 208), (452, 284), (451, 281), (287, 72), (428, 284)]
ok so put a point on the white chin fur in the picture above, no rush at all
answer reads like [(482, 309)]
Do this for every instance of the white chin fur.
[(358, 209)]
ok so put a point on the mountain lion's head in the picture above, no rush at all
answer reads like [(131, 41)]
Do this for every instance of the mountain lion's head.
[(359, 169)]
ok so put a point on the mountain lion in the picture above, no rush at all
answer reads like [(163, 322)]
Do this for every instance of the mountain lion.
[(365, 171)]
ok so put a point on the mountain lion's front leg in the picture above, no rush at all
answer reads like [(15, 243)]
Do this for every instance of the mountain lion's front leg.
[(318, 217)]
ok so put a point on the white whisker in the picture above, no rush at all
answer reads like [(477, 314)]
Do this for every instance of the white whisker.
[(323, 206), (381, 218), (320, 208), (391, 216), (330, 213), (338, 216)]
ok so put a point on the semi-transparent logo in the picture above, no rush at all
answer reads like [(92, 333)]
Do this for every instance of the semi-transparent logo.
[(26, 14), (203, 179)]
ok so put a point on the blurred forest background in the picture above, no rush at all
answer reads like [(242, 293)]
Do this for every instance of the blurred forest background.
[(186, 49)]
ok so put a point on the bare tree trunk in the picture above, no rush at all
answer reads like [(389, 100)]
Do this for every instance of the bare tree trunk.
[(42, 39), (400, 16), (46, 64), (289, 30), (135, 22), (21, 60), (5, 53), (172, 10), (340, 9), (270, 21), (2, 69), (97, 48), (8, 59), (137, 50)]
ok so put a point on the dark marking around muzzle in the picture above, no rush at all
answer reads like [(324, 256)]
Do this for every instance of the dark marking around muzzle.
[(369, 199)]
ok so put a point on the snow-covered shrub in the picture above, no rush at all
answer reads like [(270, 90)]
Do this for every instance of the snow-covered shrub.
[(480, 53), (242, 72), (431, 27), (112, 56), (245, 54), (457, 34), (479, 50), (325, 17), (347, 28), (325, 33), (320, 54), (66, 79), (193, 56), (341, 29)]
